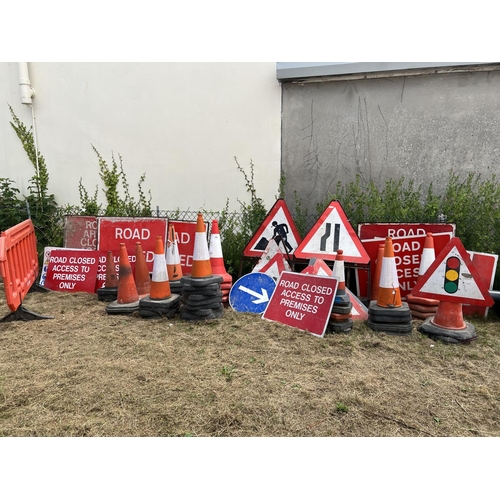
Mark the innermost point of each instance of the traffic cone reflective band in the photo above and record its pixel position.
(127, 291)
(428, 254)
(201, 267)
(174, 268)
(111, 277)
(389, 294)
(376, 274)
(160, 287)
(142, 278)
(339, 273)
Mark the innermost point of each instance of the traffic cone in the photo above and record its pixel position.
(174, 268)
(160, 302)
(389, 294)
(127, 300)
(201, 267)
(217, 262)
(160, 287)
(109, 291)
(422, 307)
(376, 274)
(142, 278)
(428, 254)
(339, 274)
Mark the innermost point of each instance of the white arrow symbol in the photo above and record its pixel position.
(261, 297)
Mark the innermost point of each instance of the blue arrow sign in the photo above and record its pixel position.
(251, 293)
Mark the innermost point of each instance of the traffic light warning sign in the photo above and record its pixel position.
(452, 277)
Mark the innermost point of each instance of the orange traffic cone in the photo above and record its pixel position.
(428, 254)
(127, 300)
(172, 256)
(142, 279)
(217, 261)
(111, 277)
(160, 287)
(201, 267)
(389, 294)
(339, 273)
(376, 275)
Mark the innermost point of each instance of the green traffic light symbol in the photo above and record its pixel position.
(452, 274)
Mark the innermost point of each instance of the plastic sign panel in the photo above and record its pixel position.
(185, 235)
(72, 270)
(115, 230)
(303, 301)
(332, 232)
(452, 277)
(251, 293)
(369, 231)
(80, 231)
(272, 262)
(278, 226)
(101, 268)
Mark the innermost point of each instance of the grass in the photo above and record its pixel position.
(87, 373)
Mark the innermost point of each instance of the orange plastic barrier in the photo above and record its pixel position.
(19, 268)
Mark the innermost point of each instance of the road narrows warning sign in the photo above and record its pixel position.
(332, 232)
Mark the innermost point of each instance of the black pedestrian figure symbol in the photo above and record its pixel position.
(280, 235)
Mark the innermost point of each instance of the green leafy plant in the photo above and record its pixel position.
(10, 205)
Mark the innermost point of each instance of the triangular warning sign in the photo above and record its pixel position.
(452, 277)
(332, 232)
(277, 225)
(318, 267)
(272, 262)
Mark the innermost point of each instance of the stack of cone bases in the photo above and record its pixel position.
(217, 262)
(201, 292)
(341, 316)
(422, 307)
(160, 302)
(388, 313)
(109, 292)
(448, 325)
(173, 259)
(142, 278)
(127, 299)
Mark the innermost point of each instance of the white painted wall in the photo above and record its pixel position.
(181, 124)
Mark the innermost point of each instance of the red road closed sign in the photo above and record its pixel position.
(72, 270)
(303, 301)
(115, 230)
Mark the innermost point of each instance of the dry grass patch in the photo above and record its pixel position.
(88, 373)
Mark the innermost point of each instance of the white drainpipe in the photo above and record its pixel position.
(27, 91)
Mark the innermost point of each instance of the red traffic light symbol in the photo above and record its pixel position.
(452, 275)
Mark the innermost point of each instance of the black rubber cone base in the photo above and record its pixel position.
(153, 308)
(391, 328)
(380, 314)
(115, 308)
(107, 294)
(342, 309)
(340, 326)
(188, 280)
(175, 286)
(448, 335)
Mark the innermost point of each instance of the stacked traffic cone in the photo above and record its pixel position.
(173, 259)
(422, 307)
(141, 275)
(341, 315)
(388, 313)
(202, 296)
(376, 274)
(160, 302)
(109, 292)
(127, 300)
(217, 262)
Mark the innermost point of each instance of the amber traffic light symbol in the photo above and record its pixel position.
(452, 274)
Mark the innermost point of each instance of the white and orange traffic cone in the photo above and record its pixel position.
(109, 291)
(160, 287)
(339, 274)
(142, 278)
(160, 302)
(423, 307)
(217, 261)
(172, 256)
(127, 300)
(376, 274)
(389, 294)
(201, 266)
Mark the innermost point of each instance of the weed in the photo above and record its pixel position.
(341, 407)
(227, 371)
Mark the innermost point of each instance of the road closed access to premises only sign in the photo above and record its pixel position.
(303, 301)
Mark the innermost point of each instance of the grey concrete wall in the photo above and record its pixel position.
(418, 127)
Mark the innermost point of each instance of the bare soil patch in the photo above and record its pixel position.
(89, 373)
